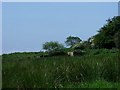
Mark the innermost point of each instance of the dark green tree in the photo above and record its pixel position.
(52, 46)
(117, 39)
(105, 36)
(70, 41)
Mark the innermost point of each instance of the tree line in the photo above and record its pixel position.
(107, 37)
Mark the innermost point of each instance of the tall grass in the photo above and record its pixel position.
(25, 71)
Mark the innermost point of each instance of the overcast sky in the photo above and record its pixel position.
(26, 26)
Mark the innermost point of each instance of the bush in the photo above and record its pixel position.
(79, 52)
(96, 53)
(57, 53)
(117, 39)
(78, 46)
(44, 55)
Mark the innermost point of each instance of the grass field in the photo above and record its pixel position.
(95, 69)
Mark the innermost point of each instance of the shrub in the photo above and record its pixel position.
(45, 55)
(79, 52)
(117, 39)
(78, 46)
(57, 53)
(96, 53)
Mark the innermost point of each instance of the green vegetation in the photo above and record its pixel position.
(95, 84)
(117, 39)
(107, 36)
(52, 46)
(97, 68)
(70, 41)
